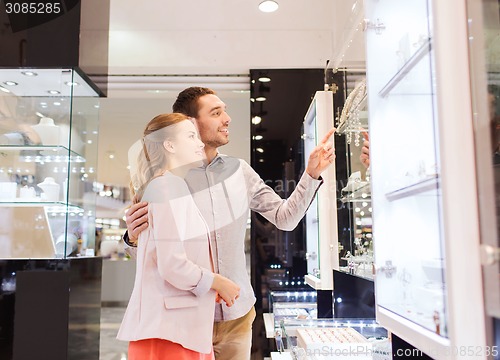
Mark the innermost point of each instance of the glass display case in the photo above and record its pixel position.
(356, 242)
(321, 218)
(48, 155)
(424, 201)
(335, 339)
(292, 305)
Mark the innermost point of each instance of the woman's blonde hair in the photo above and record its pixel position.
(152, 158)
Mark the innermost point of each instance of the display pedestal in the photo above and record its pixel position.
(50, 309)
(325, 304)
(354, 296)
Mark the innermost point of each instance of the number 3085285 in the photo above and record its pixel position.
(32, 8)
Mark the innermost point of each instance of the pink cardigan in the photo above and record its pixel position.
(172, 298)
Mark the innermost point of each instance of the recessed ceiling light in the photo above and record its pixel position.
(71, 83)
(260, 98)
(268, 6)
(258, 137)
(53, 92)
(256, 120)
(252, 99)
(264, 79)
(10, 83)
(29, 73)
(57, 103)
(261, 150)
(4, 89)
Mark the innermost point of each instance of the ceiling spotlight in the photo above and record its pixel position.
(268, 6)
(264, 79)
(71, 83)
(252, 100)
(53, 92)
(10, 83)
(29, 73)
(260, 98)
(4, 89)
(258, 137)
(256, 120)
(261, 150)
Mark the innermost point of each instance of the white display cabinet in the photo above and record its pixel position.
(428, 272)
(48, 155)
(321, 218)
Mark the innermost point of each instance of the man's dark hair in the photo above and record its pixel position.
(187, 100)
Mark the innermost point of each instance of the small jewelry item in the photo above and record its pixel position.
(437, 322)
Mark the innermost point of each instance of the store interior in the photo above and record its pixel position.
(372, 69)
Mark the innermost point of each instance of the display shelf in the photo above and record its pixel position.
(431, 183)
(43, 154)
(366, 327)
(296, 310)
(361, 194)
(52, 207)
(421, 52)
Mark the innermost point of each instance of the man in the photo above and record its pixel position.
(225, 189)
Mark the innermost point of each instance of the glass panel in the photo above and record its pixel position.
(48, 139)
(484, 47)
(405, 162)
(356, 249)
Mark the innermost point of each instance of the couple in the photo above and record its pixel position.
(192, 220)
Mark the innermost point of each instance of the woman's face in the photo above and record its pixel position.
(186, 148)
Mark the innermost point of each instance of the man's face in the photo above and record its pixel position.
(213, 121)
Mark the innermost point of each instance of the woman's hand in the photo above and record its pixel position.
(365, 151)
(137, 220)
(226, 290)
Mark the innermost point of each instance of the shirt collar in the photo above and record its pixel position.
(218, 158)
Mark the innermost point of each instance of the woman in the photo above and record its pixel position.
(171, 311)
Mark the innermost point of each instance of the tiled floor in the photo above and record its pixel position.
(112, 349)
